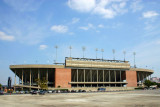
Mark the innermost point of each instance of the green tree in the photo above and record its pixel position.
(42, 83)
(0, 85)
(148, 83)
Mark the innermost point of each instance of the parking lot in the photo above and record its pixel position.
(141, 98)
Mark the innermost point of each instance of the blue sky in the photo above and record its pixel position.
(30, 29)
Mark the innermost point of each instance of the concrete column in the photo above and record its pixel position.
(84, 76)
(30, 77)
(97, 78)
(47, 76)
(22, 76)
(77, 77)
(120, 77)
(15, 78)
(103, 78)
(38, 75)
(109, 76)
(115, 77)
(91, 75)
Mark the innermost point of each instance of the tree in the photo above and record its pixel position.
(42, 83)
(148, 83)
(0, 85)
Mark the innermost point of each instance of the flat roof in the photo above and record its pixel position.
(36, 66)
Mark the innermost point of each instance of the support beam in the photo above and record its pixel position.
(120, 77)
(109, 77)
(97, 77)
(84, 76)
(103, 77)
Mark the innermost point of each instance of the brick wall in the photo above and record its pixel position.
(131, 78)
(62, 77)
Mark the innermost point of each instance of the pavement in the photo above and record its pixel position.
(140, 98)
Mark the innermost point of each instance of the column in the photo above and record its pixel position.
(47, 77)
(120, 77)
(97, 78)
(91, 76)
(15, 78)
(115, 77)
(84, 76)
(38, 76)
(103, 78)
(77, 77)
(30, 77)
(109, 78)
(22, 76)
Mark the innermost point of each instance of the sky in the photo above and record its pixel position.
(30, 30)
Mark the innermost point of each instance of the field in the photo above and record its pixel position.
(142, 98)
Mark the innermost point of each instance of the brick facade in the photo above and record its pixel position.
(62, 77)
(131, 78)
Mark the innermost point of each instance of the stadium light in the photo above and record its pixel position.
(83, 49)
(124, 52)
(70, 47)
(102, 50)
(134, 54)
(56, 53)
(113, 54)
(96, 52)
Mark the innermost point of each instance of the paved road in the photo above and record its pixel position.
(143, 98)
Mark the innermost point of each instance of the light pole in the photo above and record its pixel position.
(134, 54)
(96, 52)
(56, 53)
(70, 47)
(102, 50)
(113, 54)
(83, 49)
(124, 52)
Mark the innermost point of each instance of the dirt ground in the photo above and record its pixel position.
(143, 98)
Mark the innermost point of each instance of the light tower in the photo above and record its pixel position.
(102, 50)
(70, 47)
(134, 54)
(56, 52)
(124, 52)
(113, 51)
(96, 52)
(83, 49)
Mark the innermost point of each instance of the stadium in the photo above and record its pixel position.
(81, 73)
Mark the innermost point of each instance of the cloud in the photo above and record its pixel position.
(81, 5)
(101, 26)
(24, 5)
(150, 14)
(105, 8)
(6, 37)
(89, 26)
(42, 47)
(59, 28)
(75, 20)
(136, 5)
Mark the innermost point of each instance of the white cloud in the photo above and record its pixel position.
(59, 28)
(6, 37)
(89, 26)
(100, 26)
(150, 14)
(136, 5)
(42, 47)
(81, 5)
(75, 20)
(105, 8)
